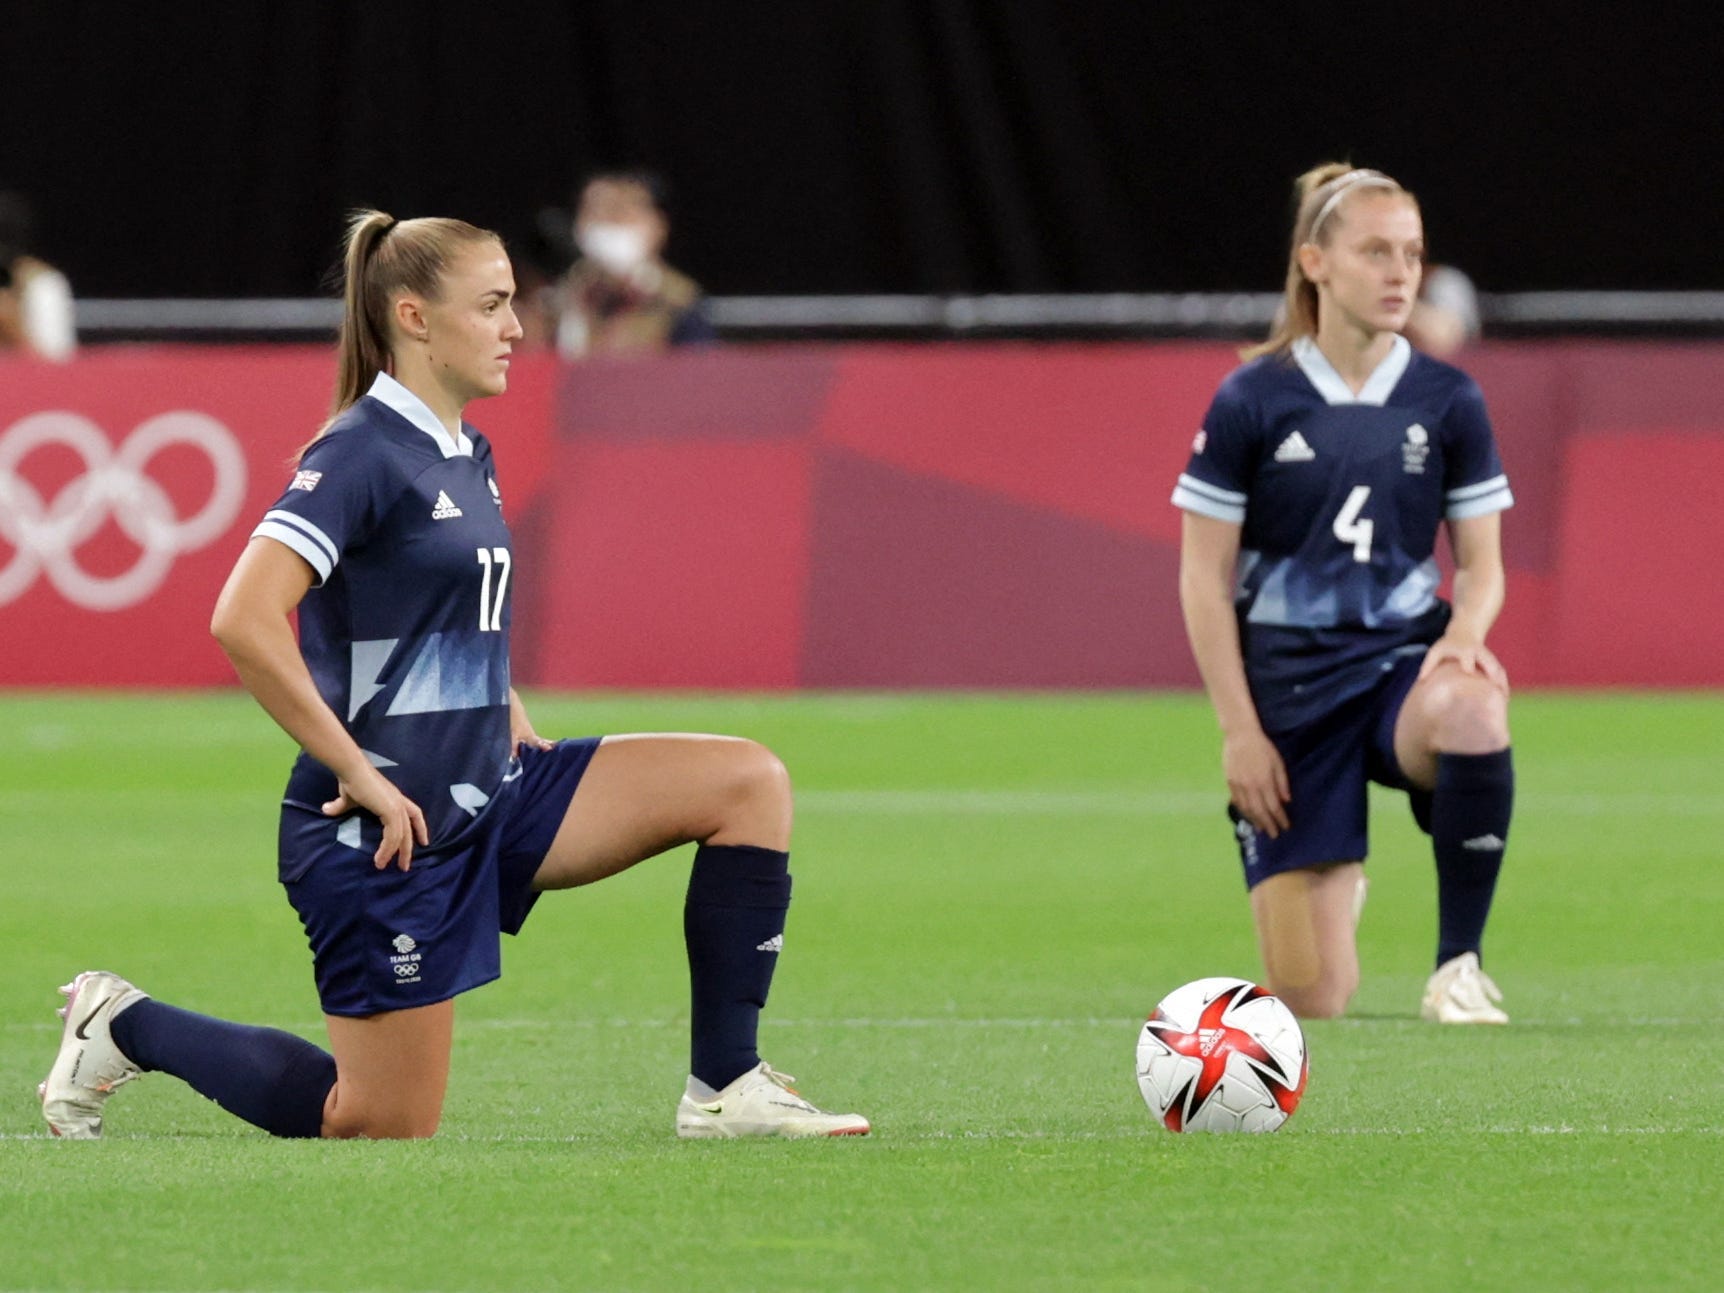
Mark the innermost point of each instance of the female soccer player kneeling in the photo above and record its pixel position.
(425, 815)
(1312, 500)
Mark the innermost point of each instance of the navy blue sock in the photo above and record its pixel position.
(733, 922)
(272, 1079)
(1470, 810)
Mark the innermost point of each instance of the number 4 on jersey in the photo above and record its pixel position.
(491, 604)
(1349, 528)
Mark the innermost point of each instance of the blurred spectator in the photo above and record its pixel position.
(35, 299)
(1446, 315)
(619, 297)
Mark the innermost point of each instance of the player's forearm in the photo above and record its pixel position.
(1213, 629)
(266, 657)
(1478, 600)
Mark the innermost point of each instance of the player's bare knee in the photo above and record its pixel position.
(346, 1117)
(1329, 1006)
(747, 800)
(380, 1125)
(766, 772)
(1472, 718)
(1324, 997)
(757, 785)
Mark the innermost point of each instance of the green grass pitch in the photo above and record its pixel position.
(991, 893)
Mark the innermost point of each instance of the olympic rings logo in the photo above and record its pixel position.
(116, 483)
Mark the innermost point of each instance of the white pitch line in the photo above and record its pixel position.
(1153, 1131)
(769, 1022)
(1046, 803)
(939, 1022)
(1408, 1024)
(1149, 1132)
(1193, 803)
(1171, 803)
(1535, 1130)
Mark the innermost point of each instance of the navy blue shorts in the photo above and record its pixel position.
(1329, 763)
(392, 939)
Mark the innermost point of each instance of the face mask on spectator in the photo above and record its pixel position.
(619, 248)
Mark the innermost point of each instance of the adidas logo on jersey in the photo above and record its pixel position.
(445, 508)
(1294, 449)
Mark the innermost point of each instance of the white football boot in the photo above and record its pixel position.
(89, 1067)
(1462, 993)
(762, 1102)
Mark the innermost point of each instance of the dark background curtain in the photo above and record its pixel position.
(872, 146)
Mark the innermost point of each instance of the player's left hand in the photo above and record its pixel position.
(1471, 657)
(521, 731)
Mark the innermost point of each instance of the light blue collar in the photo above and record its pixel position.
(391, 392)
(1334, 389)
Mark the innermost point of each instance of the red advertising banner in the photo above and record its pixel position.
(129, 482)
(867, 516)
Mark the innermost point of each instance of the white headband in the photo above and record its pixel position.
(1343, 183)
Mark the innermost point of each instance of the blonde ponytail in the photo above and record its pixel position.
(363, 348)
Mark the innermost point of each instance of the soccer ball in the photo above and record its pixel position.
(1221, 1055)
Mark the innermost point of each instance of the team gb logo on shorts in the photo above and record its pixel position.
(406, 962)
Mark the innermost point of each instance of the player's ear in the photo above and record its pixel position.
(410, 317)
(1311, 260)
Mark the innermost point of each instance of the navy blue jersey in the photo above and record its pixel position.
(1339, 497)
(406, 630)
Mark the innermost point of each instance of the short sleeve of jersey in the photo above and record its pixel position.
(330, 504)
(1217, 477)
(1474, 482)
